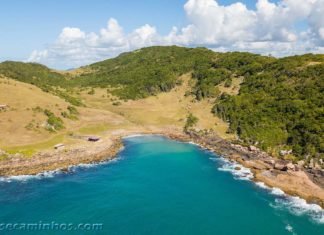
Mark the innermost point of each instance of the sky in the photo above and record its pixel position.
(67, 34)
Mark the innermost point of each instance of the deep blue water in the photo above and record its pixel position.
(157, 186)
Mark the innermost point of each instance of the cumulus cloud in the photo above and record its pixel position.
(270, 28)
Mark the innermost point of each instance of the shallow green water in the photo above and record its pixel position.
(157, 186)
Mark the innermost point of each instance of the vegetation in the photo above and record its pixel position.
(71, 113)
(191, 121)
(54, 123)
(279, 105)
(144, 72)
(40, 76)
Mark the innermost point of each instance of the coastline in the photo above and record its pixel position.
(293, 183)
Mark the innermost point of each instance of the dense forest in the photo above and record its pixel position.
(279, 105)
(146, 71)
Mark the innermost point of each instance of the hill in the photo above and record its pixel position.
(272, 103)
(34, 120)
(280, 106)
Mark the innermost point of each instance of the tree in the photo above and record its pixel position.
(190, 122)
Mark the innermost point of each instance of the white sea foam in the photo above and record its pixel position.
(294, 205)
(193, 143)
(277, 192)
(240, 172)
(23, 178)
(290, 229)
(262, 185)
(51, 174)
(299, 207)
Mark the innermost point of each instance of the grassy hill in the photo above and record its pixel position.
(30, 121)
(272, 103)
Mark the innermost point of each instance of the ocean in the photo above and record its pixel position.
(154, 186)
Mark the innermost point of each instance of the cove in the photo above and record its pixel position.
(156, 186)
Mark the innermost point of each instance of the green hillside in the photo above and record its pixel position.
(41, 76)
(280, 104)
(145, 72)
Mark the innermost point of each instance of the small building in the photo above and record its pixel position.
(93, 138)
(59, 146)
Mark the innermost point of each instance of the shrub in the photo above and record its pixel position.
(191, 121)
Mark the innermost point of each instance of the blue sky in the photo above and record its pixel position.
(30, 24)
(38, 25)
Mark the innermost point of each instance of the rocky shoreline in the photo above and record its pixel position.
(293, 179)
(62, 159)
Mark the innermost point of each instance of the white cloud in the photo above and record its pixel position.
(271, 28)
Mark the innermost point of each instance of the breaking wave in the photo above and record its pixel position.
(300, 207)
(295, 205)
(237, 170)
(51, 174)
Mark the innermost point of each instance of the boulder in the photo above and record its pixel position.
(270, 161)
(301, 163)
(280, 166)
(291, 166)
(311, 163)
(317, 166)
(253, 148)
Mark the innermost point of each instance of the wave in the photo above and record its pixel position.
(237, 170)
(295, 205)
(300, 207)
(262, 185)
(51, 174)
(277, 192)
(283, 201)
(23, 178)
(194, 143)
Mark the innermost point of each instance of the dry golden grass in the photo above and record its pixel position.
(22, 127)
(21, 99)
(164, 110)
(100, 116)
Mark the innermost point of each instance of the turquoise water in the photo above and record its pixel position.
(156, 186)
